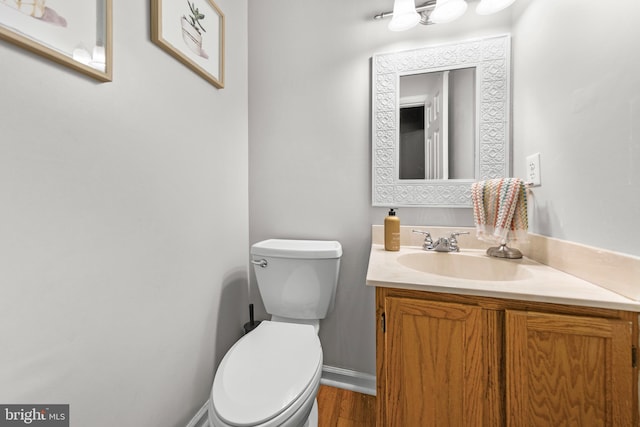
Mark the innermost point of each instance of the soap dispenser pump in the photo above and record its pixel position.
(392, 232)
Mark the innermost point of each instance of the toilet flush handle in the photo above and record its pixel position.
(259, 262)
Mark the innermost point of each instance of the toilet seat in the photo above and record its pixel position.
(267, 375)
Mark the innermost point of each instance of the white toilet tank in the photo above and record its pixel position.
(297, 278)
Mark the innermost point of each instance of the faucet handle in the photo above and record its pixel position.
(453, 240)
(458, 233)
(428, 241)
(426, 233)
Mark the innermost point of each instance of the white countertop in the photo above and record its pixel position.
(545, 283)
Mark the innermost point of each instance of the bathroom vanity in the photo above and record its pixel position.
(536, 346)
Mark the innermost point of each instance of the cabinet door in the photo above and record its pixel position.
(568, 371)
(433, 369)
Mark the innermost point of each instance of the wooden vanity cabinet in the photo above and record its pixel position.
(458, 360)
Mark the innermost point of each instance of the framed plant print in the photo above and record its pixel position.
(192, 31)
(74, 33)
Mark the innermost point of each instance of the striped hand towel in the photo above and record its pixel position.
(500, 209)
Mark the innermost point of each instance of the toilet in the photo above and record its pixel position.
(271, 376)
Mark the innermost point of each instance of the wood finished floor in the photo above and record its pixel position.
(344, 408)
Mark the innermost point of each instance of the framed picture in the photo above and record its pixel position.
(193, 32)
(74, 33)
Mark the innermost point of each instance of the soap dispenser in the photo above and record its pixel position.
(392, 232)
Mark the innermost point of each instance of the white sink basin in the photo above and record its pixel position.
(462, 266)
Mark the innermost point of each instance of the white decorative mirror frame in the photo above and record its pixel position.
(492, 59)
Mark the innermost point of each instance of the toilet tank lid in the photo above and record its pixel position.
(303, 249)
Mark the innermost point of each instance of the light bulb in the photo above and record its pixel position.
(404, 15)
(447, 11)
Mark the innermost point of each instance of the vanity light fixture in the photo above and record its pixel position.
(435, 12)
(404, 15)
(448, 10)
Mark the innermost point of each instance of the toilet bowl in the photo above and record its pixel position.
(269, 378)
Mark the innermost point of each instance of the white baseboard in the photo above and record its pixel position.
(331, 376)
(348, 380)
(201, 418)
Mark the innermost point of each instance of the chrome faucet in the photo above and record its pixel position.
(443, 244)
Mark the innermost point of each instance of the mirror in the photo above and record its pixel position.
(437, 125)
(440, 122)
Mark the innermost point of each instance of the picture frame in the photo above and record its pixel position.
(192, 31)
(74, 33)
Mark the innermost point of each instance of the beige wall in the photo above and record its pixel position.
(124, 228)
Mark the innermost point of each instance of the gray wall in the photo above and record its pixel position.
(124, 228)
(462, 135)
(575, 101)
(310, 149)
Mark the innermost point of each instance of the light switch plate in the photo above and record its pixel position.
(533, 169)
